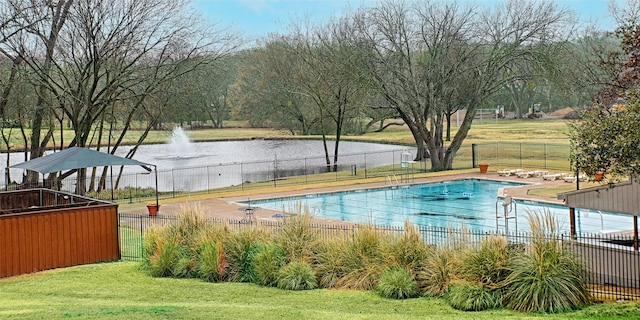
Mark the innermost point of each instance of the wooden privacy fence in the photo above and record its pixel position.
(43, 229)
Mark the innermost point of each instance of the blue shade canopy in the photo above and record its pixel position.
(76, 158)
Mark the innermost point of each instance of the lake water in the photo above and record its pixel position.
(187, 166)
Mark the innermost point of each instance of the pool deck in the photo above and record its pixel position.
(231, 208)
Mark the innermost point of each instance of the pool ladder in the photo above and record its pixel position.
(391, 179)
(509, 212)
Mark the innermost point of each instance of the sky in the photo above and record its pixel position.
(257, 18)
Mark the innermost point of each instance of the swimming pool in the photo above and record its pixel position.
(470, 203)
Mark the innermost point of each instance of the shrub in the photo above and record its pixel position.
(467, 296)
(546, 277)
(489, 263)
(150, 243)
(439, 270)
(267, 263)
(362, 260)
(397, 283)
(210, 262)
(166, 257)
(189, 224)
(296, 237)
(248, 270)
(235, 246)
(328, 264)
(184, 267)
(407, 251)
(297, 275)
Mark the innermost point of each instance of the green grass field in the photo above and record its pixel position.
(520, 130)
(120, 290)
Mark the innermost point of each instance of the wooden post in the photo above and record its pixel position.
(572, 222)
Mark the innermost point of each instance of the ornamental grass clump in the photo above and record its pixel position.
(397, 283)
(248, 270)
(267, 263)
(211, 261)
(150, 244)
(236, 247)
(168, 258)
(172, 250)
(546, 277)
(297, 275)
(467, 296)
(362, 260)
(297, 238)
(328, 262)
(440, 268)
(488, 264)
(188, 225)
(407, 250)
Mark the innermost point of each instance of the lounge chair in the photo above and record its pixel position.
(540, 173)
(508, 172)
(553, 176)
(525, 174)
(572, 179)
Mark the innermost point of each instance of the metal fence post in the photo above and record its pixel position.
(545, 156)
(365, 165)
(305, 172)
(521, 154)
(275, 170)
(173, 184)
(474, 159)
(141, 237)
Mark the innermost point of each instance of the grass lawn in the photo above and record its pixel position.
(486, 131)
(120, 290)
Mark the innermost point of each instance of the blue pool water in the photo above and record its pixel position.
(470, 203)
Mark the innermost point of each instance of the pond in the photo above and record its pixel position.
(194, 166)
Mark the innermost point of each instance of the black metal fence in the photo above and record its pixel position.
(522, 155)
(613, 265)
(136, 186)
(141, 185)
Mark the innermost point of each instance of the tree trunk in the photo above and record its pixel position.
(448, 116)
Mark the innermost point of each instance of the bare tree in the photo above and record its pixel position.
(265, 90)
(427, 56)
(99, 53)
(333, 77)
